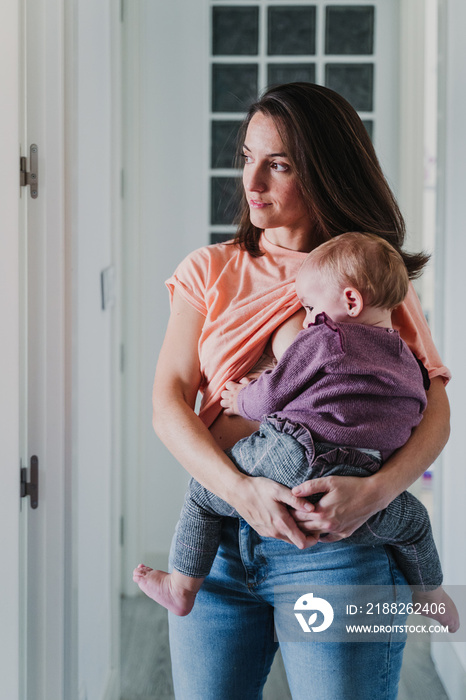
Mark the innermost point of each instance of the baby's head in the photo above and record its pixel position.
(354, 278)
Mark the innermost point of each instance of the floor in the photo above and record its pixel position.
(145, 661)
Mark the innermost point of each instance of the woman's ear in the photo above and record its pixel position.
(353, 301)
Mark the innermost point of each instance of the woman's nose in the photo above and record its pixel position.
(254, 179)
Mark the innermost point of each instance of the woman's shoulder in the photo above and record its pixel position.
(216, 253)
(409, 320)
(200, 271)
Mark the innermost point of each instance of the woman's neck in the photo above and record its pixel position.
(300, 240)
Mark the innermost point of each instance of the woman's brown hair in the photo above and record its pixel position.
(338, 171)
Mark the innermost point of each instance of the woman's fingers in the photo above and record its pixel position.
(287, 527)
(290, 532)
(346, 503)
(287, 496)
(308, 488)
(265, 506)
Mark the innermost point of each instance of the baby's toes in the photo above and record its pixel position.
(139, 572)
(143, 569)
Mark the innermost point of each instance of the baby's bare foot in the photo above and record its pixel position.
(175, 591)
(439, 606)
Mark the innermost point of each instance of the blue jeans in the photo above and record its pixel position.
(224, 648)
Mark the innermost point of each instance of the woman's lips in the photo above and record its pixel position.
(258, 205)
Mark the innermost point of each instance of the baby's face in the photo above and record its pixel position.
(316, 293)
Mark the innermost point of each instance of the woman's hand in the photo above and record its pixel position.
(264, 504)
(347, 503)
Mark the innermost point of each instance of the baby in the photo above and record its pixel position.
(345, 394)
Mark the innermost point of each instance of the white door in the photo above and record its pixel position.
(42, 657)
(43, 325)
(32, 351)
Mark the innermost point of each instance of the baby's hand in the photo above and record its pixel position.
(230, 394)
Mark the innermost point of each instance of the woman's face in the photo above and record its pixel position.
(275, 202)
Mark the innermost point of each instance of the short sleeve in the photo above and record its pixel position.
(410, 321)
(189, 279)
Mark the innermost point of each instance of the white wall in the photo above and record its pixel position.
(451, 660)
(170, 141)
(174, 218)
(95, 465)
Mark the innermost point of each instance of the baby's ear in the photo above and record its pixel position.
(354, 303)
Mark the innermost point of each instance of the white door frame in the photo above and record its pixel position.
(131, 418)
(77, 35)
(9, 352)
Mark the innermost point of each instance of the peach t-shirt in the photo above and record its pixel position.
(244, 299)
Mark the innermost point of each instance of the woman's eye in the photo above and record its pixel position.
(280, 167)
(246, 157)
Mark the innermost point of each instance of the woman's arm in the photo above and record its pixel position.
(261, 502)
(350, 501)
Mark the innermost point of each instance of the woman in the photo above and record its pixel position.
(310, 173)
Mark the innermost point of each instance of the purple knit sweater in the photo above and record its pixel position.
(350, 384)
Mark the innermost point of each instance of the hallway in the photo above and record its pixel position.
(145, 660)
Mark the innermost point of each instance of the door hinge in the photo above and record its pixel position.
(32, 177)
(31, 488)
